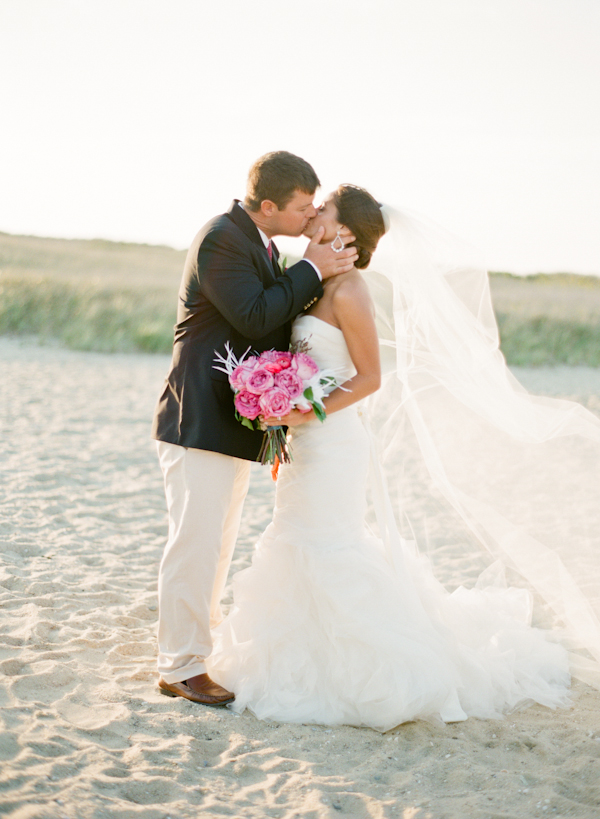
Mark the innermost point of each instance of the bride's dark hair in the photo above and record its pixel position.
(361, 213)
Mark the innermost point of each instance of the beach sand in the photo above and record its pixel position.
(85, 732)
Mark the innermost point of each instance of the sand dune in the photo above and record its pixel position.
(85, 732)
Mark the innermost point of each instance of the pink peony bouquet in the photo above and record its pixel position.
(272, 384)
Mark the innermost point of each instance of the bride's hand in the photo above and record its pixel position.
(293, 419)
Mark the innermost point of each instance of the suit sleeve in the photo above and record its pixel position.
(228, 279)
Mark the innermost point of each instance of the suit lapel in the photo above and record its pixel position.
(239, 216)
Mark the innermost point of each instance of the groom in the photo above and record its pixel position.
(232, 291)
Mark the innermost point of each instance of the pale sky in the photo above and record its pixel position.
(137, 120)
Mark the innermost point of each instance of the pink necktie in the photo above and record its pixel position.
(270, 250)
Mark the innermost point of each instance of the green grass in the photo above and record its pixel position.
(90, 294)
(88, 318)
(548, 319)
(542, 340)
(117, 297)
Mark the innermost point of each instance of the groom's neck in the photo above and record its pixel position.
(262, 222)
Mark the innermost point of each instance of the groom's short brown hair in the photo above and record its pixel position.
(277, 176)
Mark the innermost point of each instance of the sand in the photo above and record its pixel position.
(85, 732)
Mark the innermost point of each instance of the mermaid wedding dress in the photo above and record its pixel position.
(331, 625)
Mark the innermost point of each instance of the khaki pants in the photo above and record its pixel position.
(205, 494)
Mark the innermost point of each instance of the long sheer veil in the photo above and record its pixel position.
(476, 466)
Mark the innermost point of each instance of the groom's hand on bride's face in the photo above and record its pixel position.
(326, 259)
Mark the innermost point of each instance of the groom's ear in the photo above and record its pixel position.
(268, 208)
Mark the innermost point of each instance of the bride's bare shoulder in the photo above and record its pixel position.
(352, 293)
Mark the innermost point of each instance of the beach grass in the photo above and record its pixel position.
(88, 317)
(548, 319)
(544, 341)
(122, 297)
(90, 294)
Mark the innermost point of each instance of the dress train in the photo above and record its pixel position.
(332, 625)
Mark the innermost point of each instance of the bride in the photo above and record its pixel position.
(340, 618)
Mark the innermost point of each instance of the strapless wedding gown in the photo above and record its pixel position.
(327, 628)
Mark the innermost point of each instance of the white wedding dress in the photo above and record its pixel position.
(329, 626)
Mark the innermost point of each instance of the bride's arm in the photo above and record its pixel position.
(353, 312)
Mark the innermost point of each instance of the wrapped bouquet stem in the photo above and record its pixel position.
(275, 447)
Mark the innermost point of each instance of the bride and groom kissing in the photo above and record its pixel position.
(330, 624)
(233, 292)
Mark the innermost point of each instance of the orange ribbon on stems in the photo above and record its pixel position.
(275, 468)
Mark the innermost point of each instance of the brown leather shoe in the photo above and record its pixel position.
(197, 689)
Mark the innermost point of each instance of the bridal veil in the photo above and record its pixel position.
(473, 462)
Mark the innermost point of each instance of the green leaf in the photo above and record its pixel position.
(308, 394)
(319, 412)
(246, 422)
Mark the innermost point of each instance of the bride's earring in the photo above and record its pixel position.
(340, 247)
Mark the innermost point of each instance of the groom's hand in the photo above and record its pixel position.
(326, 259)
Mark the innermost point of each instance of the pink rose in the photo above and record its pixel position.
(240, 375)
(274, 361)
(268, 355)
(272, 367)
(246, 403)
(274, 403)
(260, 380)
(284, 360)
(304, 365)
(289, 381)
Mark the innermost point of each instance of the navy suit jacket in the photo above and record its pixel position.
(230, 292)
